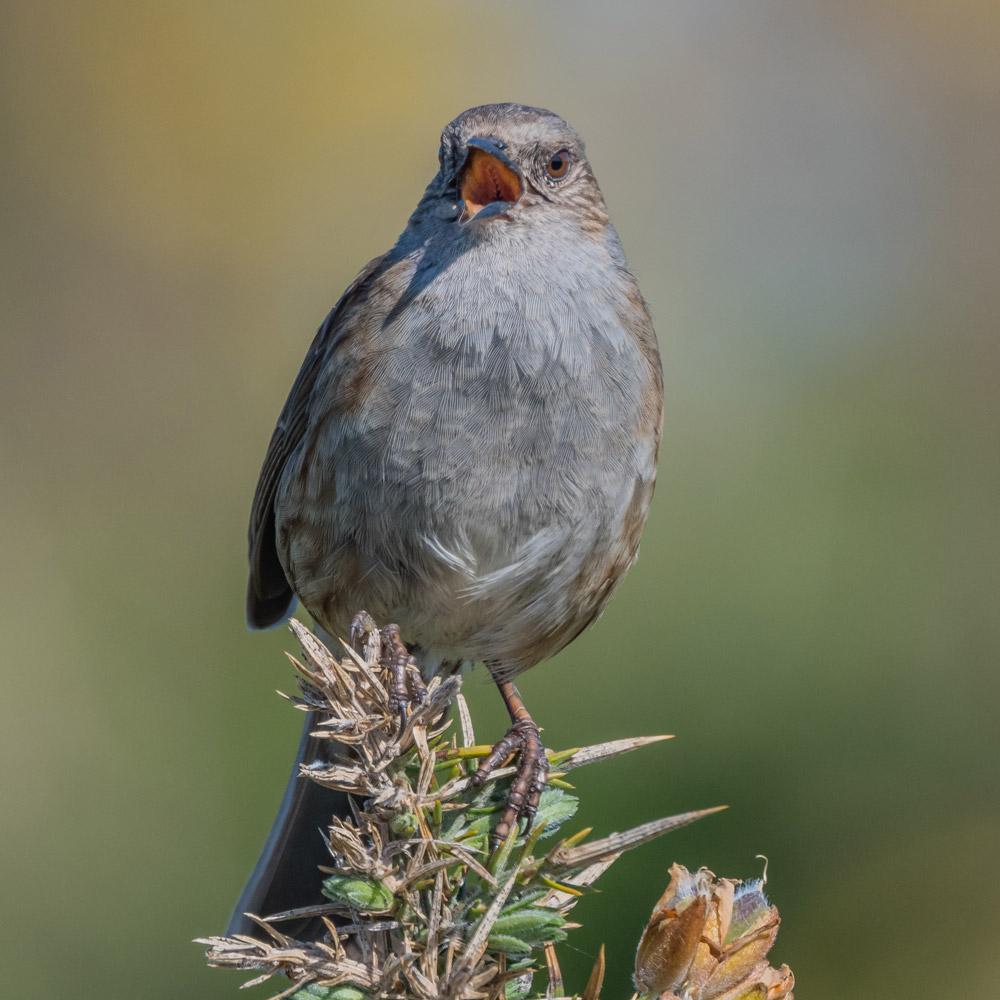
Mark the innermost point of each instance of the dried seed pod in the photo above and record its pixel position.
(709, 940)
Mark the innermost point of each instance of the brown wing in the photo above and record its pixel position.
(270, 599)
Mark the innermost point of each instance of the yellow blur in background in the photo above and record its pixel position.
(808, 192)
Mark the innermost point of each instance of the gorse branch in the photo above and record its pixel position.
(418, 906)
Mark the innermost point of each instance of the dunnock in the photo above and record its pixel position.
(469, 448)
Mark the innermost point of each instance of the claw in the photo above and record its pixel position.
(362, 624)
(533, 766)
(386, 648)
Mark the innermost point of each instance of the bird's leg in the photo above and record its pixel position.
(532, 770)
(389, 650)
(395, 659)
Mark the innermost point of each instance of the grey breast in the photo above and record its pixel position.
(494, 456)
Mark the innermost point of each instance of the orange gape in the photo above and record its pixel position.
(485, 180)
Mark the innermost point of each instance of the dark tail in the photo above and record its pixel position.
(286, 875)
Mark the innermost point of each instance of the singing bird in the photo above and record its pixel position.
(469, 449)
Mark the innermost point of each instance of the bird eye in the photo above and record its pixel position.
(558, 165)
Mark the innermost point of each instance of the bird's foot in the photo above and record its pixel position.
(363, 627)
(385, 648)
(532, 773)
(405, 683)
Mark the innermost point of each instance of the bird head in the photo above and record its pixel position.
(508, 163)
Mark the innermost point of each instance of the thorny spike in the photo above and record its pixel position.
(362, 625)
(617, 843)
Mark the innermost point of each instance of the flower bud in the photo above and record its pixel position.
(363, 894)
(405, 825)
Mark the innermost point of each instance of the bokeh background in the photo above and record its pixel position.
(808, 192)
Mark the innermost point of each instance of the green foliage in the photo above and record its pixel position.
(363, 894)
(423, 899)
(345, 991)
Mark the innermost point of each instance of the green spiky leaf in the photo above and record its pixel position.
(534, 924)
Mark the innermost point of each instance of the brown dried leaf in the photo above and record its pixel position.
(596, 980)
(555, 983)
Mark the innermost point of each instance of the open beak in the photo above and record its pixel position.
(488, 183)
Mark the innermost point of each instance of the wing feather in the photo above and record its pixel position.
(270, 599)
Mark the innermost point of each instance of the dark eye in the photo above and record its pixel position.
(558, 165)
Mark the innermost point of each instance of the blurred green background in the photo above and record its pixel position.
(808, 192)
